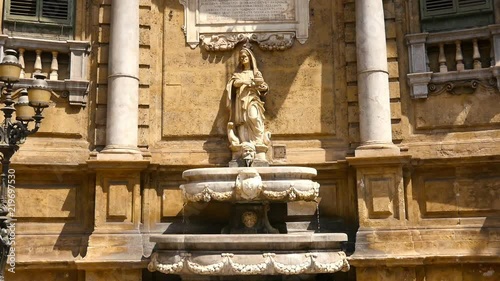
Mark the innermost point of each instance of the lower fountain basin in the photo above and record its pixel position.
(249, 254)
(281, 183)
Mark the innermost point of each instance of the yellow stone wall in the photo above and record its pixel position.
(312, 109)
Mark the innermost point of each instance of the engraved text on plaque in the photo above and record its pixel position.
(230, 11)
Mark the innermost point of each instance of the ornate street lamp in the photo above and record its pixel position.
(14, 133)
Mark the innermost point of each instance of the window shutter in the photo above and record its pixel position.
(438, 7)
(56, 9)
(441, 15)
(469, 5)
(22, 8)
(41, 11)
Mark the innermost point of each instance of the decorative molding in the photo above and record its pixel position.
(268, 266)
(419, 84)
(463, 87)
(210, 193)
(220, 26)
(76, 91)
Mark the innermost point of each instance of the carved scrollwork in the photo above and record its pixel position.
(268, 265)
(274, 41)
(267, 41)
(221, 42)
(463, 87)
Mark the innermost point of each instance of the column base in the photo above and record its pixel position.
(377, 149)
(115, 152)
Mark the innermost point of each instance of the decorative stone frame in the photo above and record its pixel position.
(420, 76)
(269, 34)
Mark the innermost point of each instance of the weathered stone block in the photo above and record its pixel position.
(46, 202)
(172, 203)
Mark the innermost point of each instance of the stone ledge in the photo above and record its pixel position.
(242, 242)
(408, 247)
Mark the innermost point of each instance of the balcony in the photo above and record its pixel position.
(64, 63)
(455, 62)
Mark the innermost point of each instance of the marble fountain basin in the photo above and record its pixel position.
(240, 184)
(249, 254)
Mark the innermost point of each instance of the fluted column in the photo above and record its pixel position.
(123, 79)
(373, 80)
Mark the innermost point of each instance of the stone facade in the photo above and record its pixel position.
(415, 183)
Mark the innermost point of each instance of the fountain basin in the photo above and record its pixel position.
(250, 184)
(244, 254)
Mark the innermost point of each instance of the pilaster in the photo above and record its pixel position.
(116, 236)
(383, 234)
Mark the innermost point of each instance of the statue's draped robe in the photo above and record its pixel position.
(246, 108)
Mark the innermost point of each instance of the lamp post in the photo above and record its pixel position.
(13, 133)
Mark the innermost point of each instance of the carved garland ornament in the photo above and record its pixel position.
(290, 194)
(268, 266)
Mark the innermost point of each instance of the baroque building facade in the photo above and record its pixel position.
(393, 102)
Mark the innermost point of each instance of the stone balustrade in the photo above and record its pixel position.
(63, 62)
(468, 57)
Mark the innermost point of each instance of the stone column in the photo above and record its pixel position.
(123, 79)
(373, 80)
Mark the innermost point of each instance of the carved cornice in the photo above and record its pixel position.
(76, 91)
(269, 265)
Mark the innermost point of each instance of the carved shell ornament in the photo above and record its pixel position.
(248, 184)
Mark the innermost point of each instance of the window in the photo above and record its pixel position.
(22, 17)
(443, 15)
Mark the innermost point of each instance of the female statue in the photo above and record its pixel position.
(244, 92)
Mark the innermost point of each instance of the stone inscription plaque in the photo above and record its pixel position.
(219, 25)
(230, 11)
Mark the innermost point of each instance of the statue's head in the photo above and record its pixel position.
(247, 59)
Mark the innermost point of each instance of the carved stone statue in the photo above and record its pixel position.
(246, 119)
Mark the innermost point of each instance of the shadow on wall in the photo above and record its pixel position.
(465, 195)
(473, 110)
